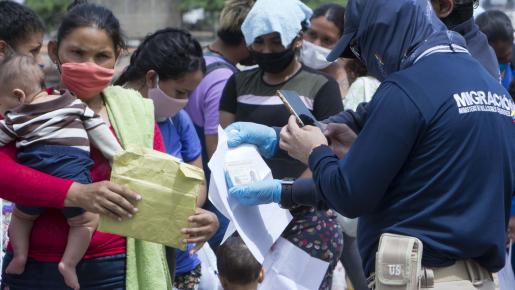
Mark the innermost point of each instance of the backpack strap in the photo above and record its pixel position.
(222, 62)
(218, 65)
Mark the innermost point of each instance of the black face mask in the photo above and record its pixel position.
(273, 62)
(460, 14)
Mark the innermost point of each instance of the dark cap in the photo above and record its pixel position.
(353, 13)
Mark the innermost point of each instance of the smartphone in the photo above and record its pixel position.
(297, 108)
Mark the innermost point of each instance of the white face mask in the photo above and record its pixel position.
(314, 56)
(164, 105)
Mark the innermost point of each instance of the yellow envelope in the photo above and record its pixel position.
(169, 190)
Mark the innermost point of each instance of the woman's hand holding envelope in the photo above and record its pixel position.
(203, 225)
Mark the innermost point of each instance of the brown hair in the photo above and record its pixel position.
(231, 18)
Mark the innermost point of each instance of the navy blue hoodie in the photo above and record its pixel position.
(477, 44)
(436, 156)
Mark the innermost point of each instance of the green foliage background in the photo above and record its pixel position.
(216, 5)
(52, 10)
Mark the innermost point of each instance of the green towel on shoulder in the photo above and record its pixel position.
(132, 118)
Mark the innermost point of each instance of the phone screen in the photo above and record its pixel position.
(290, 108)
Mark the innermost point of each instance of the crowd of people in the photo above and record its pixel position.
(407, 180)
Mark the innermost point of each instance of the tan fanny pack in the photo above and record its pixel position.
(398, 263)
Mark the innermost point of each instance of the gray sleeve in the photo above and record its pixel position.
(102, 138)
(7, 135)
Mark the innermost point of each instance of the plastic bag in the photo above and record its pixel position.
(506, 275)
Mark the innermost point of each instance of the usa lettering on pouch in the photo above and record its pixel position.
(479, 101)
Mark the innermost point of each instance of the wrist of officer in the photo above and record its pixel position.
(286, 200)
(317, 153)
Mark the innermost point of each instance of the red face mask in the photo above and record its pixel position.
(85, 79)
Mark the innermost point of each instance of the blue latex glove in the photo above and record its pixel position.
(261, 192)
(262, 136)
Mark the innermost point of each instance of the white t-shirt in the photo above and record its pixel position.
(361, 90)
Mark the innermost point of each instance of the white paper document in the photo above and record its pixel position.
(287, 267)
(259, 226)
(216, 200)
(209, 280)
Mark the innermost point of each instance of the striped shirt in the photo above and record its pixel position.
(251, 99)
(62, 121)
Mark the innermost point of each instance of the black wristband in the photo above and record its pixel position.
(287, 193)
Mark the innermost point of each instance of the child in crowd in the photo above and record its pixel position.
(52, 133)
(237, 268)
(497, 27)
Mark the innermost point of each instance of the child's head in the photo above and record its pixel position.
(237, 268)
(499, 31)
(21, 80)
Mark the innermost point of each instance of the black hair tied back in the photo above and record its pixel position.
(83, 14)
(18, 22)
(171, 52)
(333, 12)
(76, 3)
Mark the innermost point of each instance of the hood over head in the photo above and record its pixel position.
(388, 36)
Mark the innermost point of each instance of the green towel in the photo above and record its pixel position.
(132, 118)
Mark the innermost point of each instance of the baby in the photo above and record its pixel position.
(52, 134)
